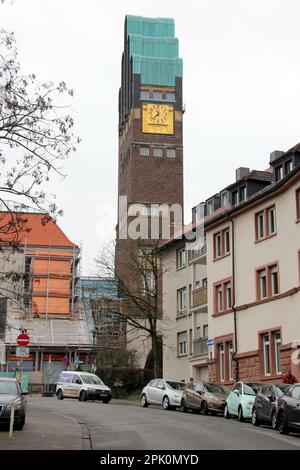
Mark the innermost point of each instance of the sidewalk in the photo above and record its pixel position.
(46, 431)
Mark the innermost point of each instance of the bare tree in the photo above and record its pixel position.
(138, 273)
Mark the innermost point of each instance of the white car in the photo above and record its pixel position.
(167, 393)
(83, 386)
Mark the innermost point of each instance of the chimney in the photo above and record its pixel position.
(275, 154)
(241, 173)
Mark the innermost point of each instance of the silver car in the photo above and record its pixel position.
(162, 392)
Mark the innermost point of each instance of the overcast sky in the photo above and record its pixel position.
(241, 87)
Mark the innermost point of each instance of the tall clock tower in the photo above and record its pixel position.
(150, 113)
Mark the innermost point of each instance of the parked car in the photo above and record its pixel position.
(204, 397)
(83, 386)
(241, 399)
(167, 393)
(11, 393)
(288, 410)
(266, 403)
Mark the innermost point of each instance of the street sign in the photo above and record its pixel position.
(23, 340)
(210, 342)
(22, 352)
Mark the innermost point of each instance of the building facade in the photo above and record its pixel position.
(39, 294)
(185, 325)
(253, 268)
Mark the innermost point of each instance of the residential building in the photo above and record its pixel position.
(253, 270)
(185, 325)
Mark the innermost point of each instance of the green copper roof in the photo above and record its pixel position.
(154, 50)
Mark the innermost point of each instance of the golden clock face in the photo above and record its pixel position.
(157, 118)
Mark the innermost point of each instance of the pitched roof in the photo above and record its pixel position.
(32, 229)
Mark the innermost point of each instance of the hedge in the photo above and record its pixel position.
(124, 380)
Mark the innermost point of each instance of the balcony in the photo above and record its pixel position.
(200, 297)
(200, 347)
(199, 255)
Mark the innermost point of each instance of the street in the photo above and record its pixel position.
(121, 425)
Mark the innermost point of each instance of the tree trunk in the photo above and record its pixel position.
(155, 349)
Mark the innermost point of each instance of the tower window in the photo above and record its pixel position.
(157, 152)
(145, 95)
(171, 153)
(144, 151)
(157, 95)
(170, 96)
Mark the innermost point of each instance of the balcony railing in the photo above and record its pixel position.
(197, 254)
(200, 347)
(200, 296)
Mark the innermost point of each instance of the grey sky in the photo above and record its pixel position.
(241, 89)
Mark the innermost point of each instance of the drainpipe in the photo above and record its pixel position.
(233, 304)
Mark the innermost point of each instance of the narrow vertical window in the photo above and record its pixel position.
(227, 241)
(222, 362)
(260, 225)
(228, 295)
(262, 284)
(272, 220)
(266, 354)
(277, 344)
(220, 298)
(230, 354)
(274, 280)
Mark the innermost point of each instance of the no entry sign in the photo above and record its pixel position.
(23, 340)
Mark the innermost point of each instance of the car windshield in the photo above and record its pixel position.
(213, 388)
(175, 385)
(249, 390)
(281, 388)
(8, 388)
(91, 379)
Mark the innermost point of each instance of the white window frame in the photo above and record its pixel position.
(220, 298)
(182, 343)
(266, 354)
(144, 151)
(181, 258)
(170, 96)
(230, 354)
(181, 300)
(272, 216)
(171, 153)
(144, 95)
(228, 295)
(260, 225)
(274, 271)
(226, 241)
(277, 344)
(157, 96)
(157, 152)
(222, 362)
(262, 274)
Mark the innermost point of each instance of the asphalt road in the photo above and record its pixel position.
(120, 425)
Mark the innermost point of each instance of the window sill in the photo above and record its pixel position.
(181, 355)
(258, 240)
(219, 314)
(181, 268)
(270, 377)
(217, 258)
(182, 315)
(297, 221)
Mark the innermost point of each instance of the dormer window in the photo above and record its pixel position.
(288, 166)
(279, 173)
(209, 207)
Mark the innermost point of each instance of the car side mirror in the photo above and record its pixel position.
(236, 392)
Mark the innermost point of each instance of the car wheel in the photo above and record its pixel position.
(274, 421)
(204, 408)
(282, 424)
(19, 425)
(166, 403)
(183, 407)
(240, 412)
(144, 402)
(82, 396)
(59, 394)
(255, 421)
(226, 412)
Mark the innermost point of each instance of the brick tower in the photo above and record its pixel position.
(150, 169)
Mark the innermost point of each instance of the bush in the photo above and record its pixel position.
(124, 380)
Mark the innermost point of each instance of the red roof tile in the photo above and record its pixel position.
(31, 229)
